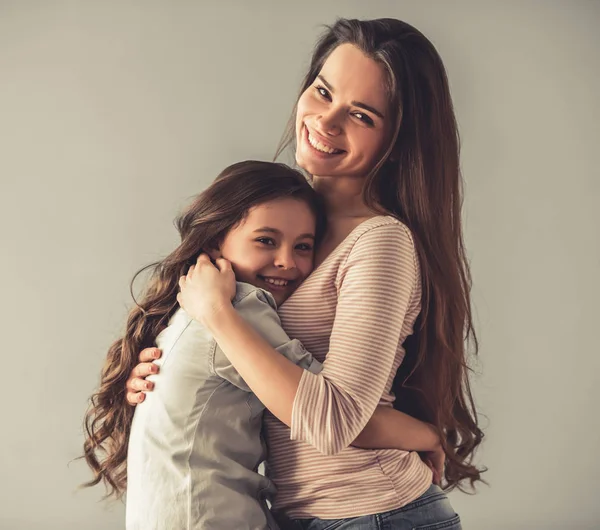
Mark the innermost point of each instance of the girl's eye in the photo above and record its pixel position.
(323, 92)
(364, 118)
(305, 247)
(266, 241)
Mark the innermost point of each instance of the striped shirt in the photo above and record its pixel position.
(353, 314)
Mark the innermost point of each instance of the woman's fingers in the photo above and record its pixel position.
(143, 370)
(133, 398)
(138, 384)
(149, 354)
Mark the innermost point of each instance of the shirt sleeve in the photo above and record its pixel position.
(375, 288)
(256, 309)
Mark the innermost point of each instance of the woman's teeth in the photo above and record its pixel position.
(280, 283)
(320, 147)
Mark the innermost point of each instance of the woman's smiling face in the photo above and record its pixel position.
(342, 123)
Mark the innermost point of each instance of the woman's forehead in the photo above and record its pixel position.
(351, 74)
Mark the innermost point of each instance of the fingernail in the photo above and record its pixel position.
(148, 386)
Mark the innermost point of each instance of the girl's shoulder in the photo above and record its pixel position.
(250, 293)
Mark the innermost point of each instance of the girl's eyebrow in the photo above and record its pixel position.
(278, 232)
(355, 103)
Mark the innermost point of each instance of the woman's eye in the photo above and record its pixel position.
(364, 118)
(323, 92)
(266, 241)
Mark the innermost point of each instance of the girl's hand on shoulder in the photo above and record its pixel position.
(207, 289)
(136, 385)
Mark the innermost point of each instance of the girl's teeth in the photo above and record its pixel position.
(320, 147)
(280, 283)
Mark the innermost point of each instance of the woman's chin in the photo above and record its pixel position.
(314, 168)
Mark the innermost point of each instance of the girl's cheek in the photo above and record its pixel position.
(307, 266)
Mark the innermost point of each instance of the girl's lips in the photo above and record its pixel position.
(275, 287)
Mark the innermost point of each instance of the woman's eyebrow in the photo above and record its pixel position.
(355, 103)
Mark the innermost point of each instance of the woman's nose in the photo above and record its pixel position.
(329, 123)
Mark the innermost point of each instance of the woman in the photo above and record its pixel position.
(375, 128)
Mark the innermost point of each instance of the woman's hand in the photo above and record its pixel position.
(137, 385)
(207, 289)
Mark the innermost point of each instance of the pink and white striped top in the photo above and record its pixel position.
(353, 314)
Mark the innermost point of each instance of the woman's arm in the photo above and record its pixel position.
(388, 428)
(274, 380)
(328, 410)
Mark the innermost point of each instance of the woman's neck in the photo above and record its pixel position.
(343, 197)
(345, 209)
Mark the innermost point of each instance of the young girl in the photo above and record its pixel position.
(194, 446)
(388, 303)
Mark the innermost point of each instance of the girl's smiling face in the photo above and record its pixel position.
(341, 124)
(273, 247)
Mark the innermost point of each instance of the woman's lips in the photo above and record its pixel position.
(316, 144)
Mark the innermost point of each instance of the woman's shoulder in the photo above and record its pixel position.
(382, 244)
(381, 229)
(382, 252)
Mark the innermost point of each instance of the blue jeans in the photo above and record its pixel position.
(431, 511)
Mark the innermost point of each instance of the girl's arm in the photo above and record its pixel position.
(275, 380)
(331, 409)
(387, 428)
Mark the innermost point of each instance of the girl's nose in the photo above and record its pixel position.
(285, 260)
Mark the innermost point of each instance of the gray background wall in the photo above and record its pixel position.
(112, 114)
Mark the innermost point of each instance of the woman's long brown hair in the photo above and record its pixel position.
(418, 181)
(208, 219)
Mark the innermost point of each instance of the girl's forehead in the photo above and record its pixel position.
(282, 214)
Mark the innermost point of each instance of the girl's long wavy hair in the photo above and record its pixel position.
(204, 224)
(418, 181)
